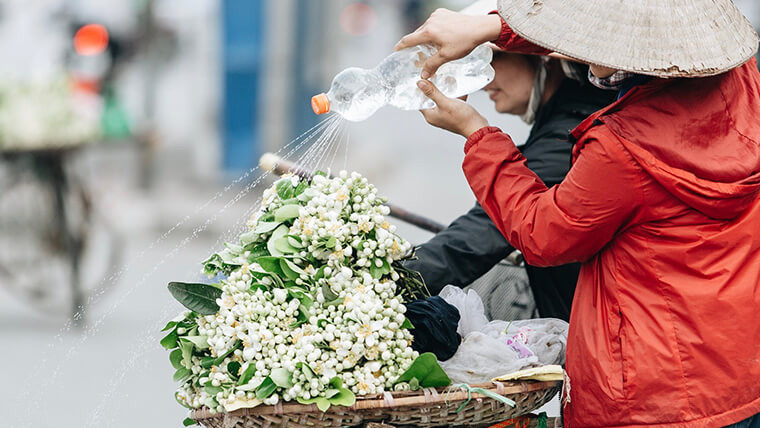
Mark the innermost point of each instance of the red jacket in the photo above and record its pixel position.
(661, 206)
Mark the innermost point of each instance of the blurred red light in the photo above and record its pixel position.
(91, 39)
(358, 19)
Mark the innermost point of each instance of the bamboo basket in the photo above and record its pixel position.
(423, 408)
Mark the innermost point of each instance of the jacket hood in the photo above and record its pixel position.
(698, 138)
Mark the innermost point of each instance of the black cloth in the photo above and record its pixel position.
(435, 327)
(472, 244)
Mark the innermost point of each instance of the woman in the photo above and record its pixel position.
(661, 204)
(543, 95)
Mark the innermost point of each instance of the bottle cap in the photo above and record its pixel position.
(320, 103)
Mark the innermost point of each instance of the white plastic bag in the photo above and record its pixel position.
(472, 314)
(491, 349)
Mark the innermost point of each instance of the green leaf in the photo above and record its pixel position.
(248, 237)
(218, 360)
(427, 371)
(257, 250)
(229, 258)
(330, 243)
(270, 264)
(207, 362)
(278, 233)
(212, 390)
(302, 317)
(330, 393)
(336, 382)
(306, 369)
(187, 353)
(286, 212)
(344, 397)
(200, 298)
(266, 388)
(295, 241)
(200, 342)
(284, 188)
(322, 403)
(189, 421)
(234, 248)
(386, 268)
(233, 368)
(277, 281)
(302, 185)
(257, 286)
(302, 296)
(334, 302)
(170, 340)
(289, 273)
(210, 402)
(290, 201)
(327, 292)
(247, 387)
(176, 358)
(169, 325)
(282, 377)
(290, 269)
(282, 245)
(265, 226)
(376, 272)
(213, 265)
(306, 196)
(181, 374)
(247, 374)
(407, 324)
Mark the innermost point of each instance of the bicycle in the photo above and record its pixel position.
(56, 249)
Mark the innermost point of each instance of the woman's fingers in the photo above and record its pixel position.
(430, 91)
(433, 63)
(419, 37)
(454, 34)
(450, 114)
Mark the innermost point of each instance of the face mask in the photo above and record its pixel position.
(614, 82)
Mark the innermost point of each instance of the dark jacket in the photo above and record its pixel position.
(472, 245)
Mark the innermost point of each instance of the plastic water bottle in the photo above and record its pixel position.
(357, 93)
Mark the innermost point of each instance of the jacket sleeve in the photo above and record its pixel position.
(462, 252)
(571, 221)
(512, 42)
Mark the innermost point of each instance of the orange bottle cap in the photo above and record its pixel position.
(320, 103)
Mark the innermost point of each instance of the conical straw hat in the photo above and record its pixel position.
(664, 38)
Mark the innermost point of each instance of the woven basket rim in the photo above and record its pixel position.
(422, 397)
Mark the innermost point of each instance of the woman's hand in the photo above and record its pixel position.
(450, 114)
(454, 35)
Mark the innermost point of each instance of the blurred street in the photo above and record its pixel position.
(112, 371)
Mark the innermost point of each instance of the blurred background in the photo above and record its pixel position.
(129, 134)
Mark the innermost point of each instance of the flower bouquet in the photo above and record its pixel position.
(308, 307)
(47, 114)
(306, 323)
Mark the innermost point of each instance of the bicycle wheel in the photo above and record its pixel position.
(55, 249)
